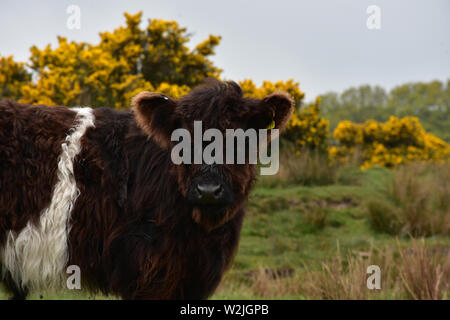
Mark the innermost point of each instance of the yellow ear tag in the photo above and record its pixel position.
(271, 125)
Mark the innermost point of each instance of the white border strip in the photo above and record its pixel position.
(38, 255)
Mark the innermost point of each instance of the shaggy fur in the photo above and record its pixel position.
(36, 257)
(133, 231)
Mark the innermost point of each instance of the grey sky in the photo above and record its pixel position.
(324, 44)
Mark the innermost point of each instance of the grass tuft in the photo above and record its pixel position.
(416, 202)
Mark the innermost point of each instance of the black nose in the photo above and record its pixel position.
(209, 193)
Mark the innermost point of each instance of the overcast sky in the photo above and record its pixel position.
(323, 44)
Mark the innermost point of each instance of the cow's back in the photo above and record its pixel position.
(37, 189)
(30, 144)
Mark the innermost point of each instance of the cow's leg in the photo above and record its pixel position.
(18, 292)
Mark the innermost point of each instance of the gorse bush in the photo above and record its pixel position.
(126, 61)
(13, 76)
(156, 57)
(429, 101)
(250, 89)
(416, 202)
(307, 129)
(389, 144)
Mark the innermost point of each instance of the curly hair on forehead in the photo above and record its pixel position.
(214, 87)
(218, 104)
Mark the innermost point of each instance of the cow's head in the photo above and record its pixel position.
(214, 191)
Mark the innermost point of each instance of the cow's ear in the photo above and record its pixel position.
(155, 114)
(273, 112)
(283, 106)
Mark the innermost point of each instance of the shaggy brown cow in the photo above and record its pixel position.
(97, 189)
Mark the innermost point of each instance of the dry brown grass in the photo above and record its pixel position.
(418, 202)
(425, 272)
(416, 272)
(267, 283)
(262, 283)
(339, 279)
(308, 168)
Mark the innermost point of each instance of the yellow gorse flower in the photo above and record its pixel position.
(391, 143)
(126, 61)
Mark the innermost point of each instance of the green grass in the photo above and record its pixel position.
(290, 231)
(277, 236)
